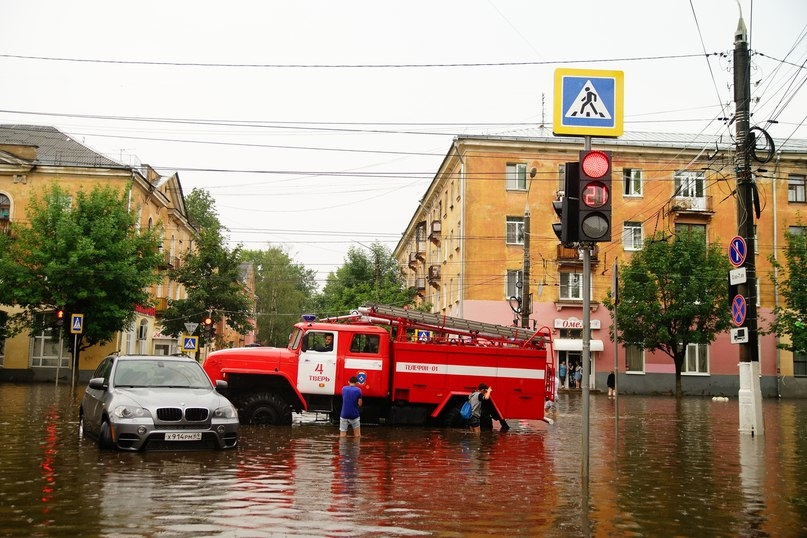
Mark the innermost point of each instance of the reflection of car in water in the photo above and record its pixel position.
(420, 371)
(135, 402)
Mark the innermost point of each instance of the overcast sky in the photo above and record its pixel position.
(319, 125)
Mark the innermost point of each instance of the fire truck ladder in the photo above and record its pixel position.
(439, 322)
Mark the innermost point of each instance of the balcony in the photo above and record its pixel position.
(420, 286)
(413, 261)
(436, 229)
(691, 206)
(573, 255)
(434, 276)
(160, 304)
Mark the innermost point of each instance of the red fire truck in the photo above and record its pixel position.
(413, 368)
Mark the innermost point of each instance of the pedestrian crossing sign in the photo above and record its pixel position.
(588, 102)
(76, 323)
(190, 343)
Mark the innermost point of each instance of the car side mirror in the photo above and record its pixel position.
(97, 383)
(221, 385)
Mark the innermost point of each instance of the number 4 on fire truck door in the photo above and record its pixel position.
(316, 372)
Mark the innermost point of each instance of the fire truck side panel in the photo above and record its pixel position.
(428, 373)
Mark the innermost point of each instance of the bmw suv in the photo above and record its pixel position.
(135, 402)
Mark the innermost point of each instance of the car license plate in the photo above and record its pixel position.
(183, 436)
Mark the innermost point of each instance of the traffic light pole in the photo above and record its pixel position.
(586, 351)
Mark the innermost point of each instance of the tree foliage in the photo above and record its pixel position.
(211, 275)
(673, 293)
(81, 252)
(284, 290)
(372, 276)
(791, 318)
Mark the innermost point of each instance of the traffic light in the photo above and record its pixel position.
(207, 322)
(59, 317)
(594, 206)
(566, 207)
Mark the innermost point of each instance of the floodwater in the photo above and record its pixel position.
(670, 470)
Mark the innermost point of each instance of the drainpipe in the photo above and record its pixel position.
(461, 234)
(776, 272)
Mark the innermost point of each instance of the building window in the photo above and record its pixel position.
(800, 364)
(696, 360)
(142, 337)
(796, 189)
(691, 186)
(632, 236)
(514, 277)
(632, 180)
(634, 358)
(45, 345)
(515, 231)
(562, 176)
(571, 286)
(5, 213)
(681, 227)
(517, 177)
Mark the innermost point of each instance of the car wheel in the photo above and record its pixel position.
(105, 436)
(265, 408)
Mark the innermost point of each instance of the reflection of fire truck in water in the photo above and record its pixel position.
(420, 371)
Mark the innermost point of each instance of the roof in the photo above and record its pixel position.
(53, 147)
(638, 139)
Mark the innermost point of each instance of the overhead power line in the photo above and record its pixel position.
(349, 66)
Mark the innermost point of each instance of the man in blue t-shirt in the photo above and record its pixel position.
(351, 402)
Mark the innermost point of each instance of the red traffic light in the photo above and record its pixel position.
(595, 164)
(208, 322)
(60, 314)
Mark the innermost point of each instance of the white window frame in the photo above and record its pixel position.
(690, 184)
(796, 188)
(632, 237)
(513, 277)
(514, 231)
(516, 177)
(44, 352)
(632, 179)
(696, 360)
(571, 286)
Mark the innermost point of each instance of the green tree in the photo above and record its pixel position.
(791, 319)
(211, 275)
(284, 290)
(81, 252)
(673, 293)
(372, 276)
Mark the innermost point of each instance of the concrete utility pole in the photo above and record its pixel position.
(525, 282)
(750, 395)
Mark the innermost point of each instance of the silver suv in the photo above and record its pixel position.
(135, 402)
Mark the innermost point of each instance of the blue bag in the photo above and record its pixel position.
(465, 410)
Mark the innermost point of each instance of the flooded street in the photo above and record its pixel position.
(672, 470)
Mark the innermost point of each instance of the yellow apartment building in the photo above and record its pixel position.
(463, 249)
(32, 158)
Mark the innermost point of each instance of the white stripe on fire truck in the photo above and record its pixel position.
(363, 364)
(456, 369)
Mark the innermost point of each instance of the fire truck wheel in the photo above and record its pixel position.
(451, 417)
(265, 408)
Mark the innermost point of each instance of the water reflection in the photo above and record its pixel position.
(673, 469)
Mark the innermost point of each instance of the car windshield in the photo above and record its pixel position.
(160, 373)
